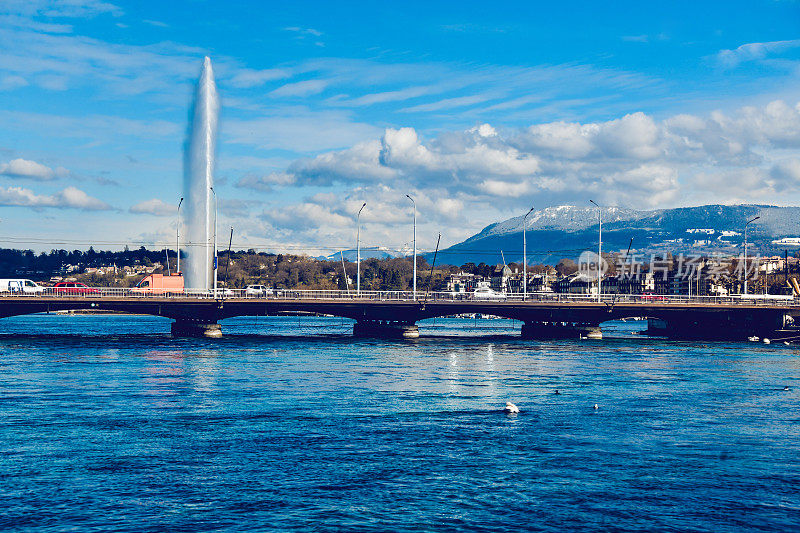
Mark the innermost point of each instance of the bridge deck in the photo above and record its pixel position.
(735, 316)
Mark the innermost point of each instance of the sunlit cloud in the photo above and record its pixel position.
(71, 197)
(26, 169)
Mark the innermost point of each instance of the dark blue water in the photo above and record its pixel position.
(287, 424)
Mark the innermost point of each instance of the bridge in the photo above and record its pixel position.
(395, 313)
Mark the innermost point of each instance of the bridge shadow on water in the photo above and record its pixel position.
(429, 342)
(136, 331)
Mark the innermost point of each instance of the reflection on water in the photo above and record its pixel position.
(110, 423)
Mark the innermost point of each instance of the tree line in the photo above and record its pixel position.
(237, 269)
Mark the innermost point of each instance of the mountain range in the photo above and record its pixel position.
(371, 252)
(566, 231)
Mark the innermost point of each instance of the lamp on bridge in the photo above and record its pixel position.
(415, 245)
(525, 255)
(599, 250)
(215, 240)
(745, 252)
(178, 239)
(358, 249)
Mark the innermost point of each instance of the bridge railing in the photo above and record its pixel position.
(404, 296)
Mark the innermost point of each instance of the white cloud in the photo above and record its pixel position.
(484, 130)
(465, 179)
(304, 31)
(746, 182)
(8, 83)
(236, 208)
(685, 124)
(361, 160)
(246, 78)
(462, 88)
(316, 122)
(101, 127)
(59, 60)
(70, 197)
(473, 155)
(571, 141)
(79, 8)
(266, 182)
(450, 103)
(786, 174)
(754, 52)
(24, 168)
(154, 206)
(505, 188)
(306, 34)
(299, 130)
(655, 184)
(158, 73)
(402, 148)
(633, 136)
(300, 88)
(307, 216)
(329, 219)
(389, 96)
(60, 8)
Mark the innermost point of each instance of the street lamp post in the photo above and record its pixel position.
(599, 250)
(358, 249)
(215, 240)
(178, 238)
(415, 245)
(525, 255)
(744, 271)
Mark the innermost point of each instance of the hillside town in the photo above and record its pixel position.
(695, 276)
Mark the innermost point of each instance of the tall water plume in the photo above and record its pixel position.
(198, 179)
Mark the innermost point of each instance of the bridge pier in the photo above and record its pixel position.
(656, 328)
(719, 326)
(194, 328)
(560, 330)
(385, 329)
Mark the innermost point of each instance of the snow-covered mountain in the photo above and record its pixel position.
(565, 231)
(366, 253)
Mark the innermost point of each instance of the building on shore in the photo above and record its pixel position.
(463, 282)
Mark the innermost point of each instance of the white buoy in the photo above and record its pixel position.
(766, 341)
(511, 408)
(596, 406)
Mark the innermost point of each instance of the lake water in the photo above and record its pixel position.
(290, 424)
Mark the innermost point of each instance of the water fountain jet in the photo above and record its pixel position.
(198, 178)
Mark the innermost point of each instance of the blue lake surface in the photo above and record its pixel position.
(108, 423)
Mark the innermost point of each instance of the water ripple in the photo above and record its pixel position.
(267, 431)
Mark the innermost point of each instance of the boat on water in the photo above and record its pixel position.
(484, 292)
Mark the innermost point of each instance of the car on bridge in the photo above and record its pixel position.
(72, 287)
(20, 285)
(258, 290)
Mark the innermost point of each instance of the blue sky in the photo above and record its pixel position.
(478, 110)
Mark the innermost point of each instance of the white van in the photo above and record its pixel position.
(20, 285)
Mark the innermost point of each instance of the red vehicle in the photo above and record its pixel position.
(654, 297)
(73, 287)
